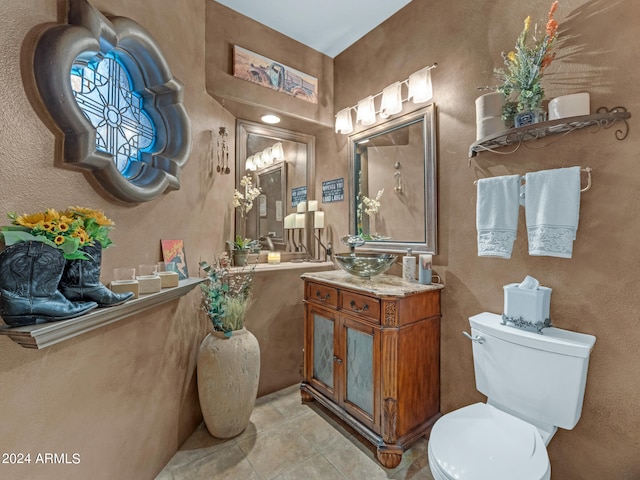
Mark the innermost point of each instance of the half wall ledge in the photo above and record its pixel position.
(47, 334)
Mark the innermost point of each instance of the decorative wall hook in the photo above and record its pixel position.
(223, 151)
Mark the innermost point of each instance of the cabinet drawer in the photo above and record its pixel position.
(322, 294)
(361, 305)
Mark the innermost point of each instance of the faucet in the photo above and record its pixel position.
(265, 241)
(352, 241)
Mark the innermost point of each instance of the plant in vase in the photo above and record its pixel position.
(51, 267)
(524, 68)
(226, 294)
(229, 356)
(370, 206)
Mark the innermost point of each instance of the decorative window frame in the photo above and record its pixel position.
(87, 34)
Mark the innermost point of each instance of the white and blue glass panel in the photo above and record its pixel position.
(103, 90)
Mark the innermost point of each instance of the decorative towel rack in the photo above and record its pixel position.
(587, 170)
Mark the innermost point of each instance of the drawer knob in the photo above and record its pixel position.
(355, 308)
(323, 298)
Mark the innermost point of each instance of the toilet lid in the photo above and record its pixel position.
(482, 442)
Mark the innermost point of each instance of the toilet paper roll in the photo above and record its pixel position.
(489, 126)
(573, 105)
(489, 105)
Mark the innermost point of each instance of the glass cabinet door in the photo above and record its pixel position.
(360, 351)
(320, 360)
(323, 349)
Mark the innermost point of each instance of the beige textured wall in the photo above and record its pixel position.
(594, 292)
(123, 397)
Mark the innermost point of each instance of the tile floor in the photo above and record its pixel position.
(289, 440)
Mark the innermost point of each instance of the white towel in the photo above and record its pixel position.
(497, 215)
(552, 208)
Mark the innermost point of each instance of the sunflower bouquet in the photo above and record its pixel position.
(523, 68)
(69, 231)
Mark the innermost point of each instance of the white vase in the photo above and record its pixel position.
(228, 374)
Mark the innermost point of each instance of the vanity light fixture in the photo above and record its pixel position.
(420, 90)
(277, 152)
(420, 86)
(270, 119)
(250, 164)
(343, 121)
(366, 111)
(391, 100)
(265, 158)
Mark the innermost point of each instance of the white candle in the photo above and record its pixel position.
(312, 205)
(318, 219)
(302, 207)
(290, 221)
(300, 217)
(273, 258)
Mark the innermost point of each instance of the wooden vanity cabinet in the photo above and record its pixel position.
(372, 356)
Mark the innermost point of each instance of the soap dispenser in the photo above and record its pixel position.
(409, 267)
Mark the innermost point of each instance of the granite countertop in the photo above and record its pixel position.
(268, 267)
(382, 285)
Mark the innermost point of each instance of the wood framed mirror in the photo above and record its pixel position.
(397, 158)
(296, 174)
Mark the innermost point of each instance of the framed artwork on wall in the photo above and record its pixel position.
(255, 68)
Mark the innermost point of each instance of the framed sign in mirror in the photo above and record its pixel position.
(393, 175)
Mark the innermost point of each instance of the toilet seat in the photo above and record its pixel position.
(481, 442)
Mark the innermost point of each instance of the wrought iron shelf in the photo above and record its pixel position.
(47, 334)
(516, 137)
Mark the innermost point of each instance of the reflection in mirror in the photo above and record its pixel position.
(271, 182)
(393, 177)
(292, 170)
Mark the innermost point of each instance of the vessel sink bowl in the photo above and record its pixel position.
(365, 265)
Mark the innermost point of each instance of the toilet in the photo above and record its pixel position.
(534, 384)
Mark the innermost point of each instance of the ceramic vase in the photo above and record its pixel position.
(228, 373)
(240, 257)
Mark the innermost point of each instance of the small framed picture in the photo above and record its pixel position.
(173, 253)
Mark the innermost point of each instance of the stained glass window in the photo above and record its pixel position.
(103, 90)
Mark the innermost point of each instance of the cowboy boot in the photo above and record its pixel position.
(81, 280)
(29, 277)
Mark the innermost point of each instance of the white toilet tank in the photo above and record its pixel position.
(538, 376)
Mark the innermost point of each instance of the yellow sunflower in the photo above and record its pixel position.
(81, 235)
(51, 214)
(98, 215)
(29, 221)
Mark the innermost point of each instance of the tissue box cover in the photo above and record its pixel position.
(527, 307)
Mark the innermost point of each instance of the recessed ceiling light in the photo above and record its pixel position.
(270, 119)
